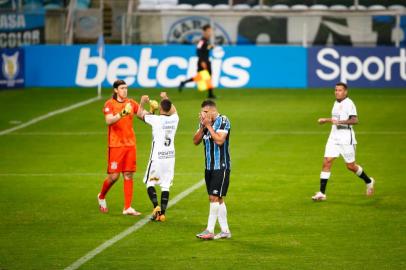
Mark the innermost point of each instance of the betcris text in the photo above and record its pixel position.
(366, 67)
(147, 68)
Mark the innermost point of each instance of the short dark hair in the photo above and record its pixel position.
(206, 26)
(208, 102)
(342, 84)
(166, 105)
(117, 83)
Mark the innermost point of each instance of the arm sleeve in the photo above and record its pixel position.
(224, 125)
(201, 46)
(352, 110)
(150, 119)
(108, 108)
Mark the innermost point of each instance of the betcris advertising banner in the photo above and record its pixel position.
(165, 66)
(359, 67)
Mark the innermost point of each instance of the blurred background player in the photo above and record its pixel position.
(214, 130)
(119, 113)
(203, 53)
(161, 166)
(341, 141)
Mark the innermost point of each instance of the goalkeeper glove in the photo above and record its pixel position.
(127, 110)
(153, 106)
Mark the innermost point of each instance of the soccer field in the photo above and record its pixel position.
(51, 172)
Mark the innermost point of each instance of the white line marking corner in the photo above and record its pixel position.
(138, 225)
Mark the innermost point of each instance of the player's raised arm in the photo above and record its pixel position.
(113, 118)
(173, 108)
(141, 111)
(197, 138)
(218, 137)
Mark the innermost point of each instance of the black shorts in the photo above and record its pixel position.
(217, 182)
(199, 67)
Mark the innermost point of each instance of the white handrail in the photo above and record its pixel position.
(69, 23)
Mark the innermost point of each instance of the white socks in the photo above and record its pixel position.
(325, 175)
(359, 171)
(214, 212)
(219, 211)
(223, 218)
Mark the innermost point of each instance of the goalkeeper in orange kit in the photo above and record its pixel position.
(119, 112)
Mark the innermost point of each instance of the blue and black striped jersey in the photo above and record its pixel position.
(217, 157)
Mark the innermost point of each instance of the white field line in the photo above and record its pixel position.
(90, 255)
(264, 132)
(48, 115)
(71, 174)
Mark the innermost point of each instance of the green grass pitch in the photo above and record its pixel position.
(51, 172)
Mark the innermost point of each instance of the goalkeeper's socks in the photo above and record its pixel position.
(324, 176)
(105, 188)
(128, 193)
(164, 201)
(361, 174)
(152, 196)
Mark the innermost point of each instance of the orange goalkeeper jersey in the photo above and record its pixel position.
(121, 133)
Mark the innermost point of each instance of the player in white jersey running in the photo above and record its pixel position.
(341, 141)
(161, 165)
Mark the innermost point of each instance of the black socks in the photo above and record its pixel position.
(152, 196)
(164, 201)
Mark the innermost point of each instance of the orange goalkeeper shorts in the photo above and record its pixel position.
(122, 159)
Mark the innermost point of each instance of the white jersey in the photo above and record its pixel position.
(343, 134)
(163, 135)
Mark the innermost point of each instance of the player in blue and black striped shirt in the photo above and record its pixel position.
(214, 131)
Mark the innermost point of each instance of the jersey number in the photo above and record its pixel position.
(167, 141)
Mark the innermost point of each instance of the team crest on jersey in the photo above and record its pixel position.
(188, 30)
(114, 165)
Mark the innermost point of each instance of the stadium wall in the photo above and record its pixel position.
(233, 66)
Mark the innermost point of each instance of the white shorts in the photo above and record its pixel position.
(160, 172)
(345, 150)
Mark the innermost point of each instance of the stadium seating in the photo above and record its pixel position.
(241, 7)
(338, 7)
(277, 5)
(280, 7)
(203, 7)
(318, 7)
(221, 7)
(359, 7)
(299, 7)
(376, 7)
(397, 7)
(184, 6)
